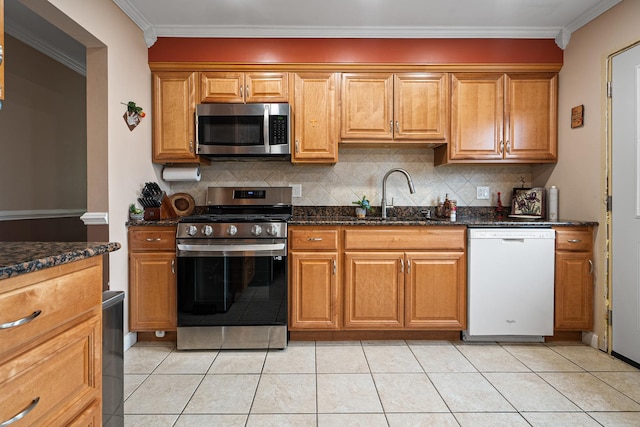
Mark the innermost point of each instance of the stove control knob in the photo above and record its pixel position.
(192, 231)
(207, 230)
(256, 230)
(273, 229)
(232, 230)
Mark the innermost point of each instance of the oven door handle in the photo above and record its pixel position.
(233, 248)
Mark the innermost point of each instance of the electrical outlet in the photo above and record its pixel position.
(482, 193)
(296, 190)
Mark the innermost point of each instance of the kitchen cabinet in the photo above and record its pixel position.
(313, 278)
(152, 278)
(174, 117)
(240, 87)
(52, 363)
(411, 278)
(505, 118)
(574, 279)
(386, 107)
(315, 132)
(1, 50)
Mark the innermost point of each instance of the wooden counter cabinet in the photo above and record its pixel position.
(405, 278)
(152, 279)
(313, 278)
(574, 279)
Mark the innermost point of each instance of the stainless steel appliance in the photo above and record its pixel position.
(511, 284)
(243, 131)
(232, 270)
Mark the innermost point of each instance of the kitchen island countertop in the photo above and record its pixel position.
(25, 257)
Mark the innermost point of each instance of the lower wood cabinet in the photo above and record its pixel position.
(377, 278)
(574, 279)
(152, 279)
(51, 365)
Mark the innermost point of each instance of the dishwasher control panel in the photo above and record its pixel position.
(511, 233)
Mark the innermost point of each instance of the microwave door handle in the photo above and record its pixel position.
(266, 128)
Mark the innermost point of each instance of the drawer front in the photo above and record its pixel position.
(49, 304)
(152, 238)
(61, 373)
(316, 238)
(574, 240)
(405, 238)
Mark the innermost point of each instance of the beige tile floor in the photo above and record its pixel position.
(381, 383)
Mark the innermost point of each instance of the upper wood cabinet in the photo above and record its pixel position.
(174, 117)
(383, 107)
(1, 50)
(315, 130)
(498, 117)
(239, 87)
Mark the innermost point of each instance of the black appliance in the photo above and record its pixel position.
(232, 270)
(112, 359)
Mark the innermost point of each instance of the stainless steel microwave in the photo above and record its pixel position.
(243, 131)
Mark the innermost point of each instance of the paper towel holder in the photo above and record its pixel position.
(181, 173)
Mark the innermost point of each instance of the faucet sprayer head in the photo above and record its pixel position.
(412, 189)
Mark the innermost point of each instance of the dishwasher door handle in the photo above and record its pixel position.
(512, 240)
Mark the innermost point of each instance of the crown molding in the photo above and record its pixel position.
(234, 31)
(600, 8)
(38, 43)
(138, 18)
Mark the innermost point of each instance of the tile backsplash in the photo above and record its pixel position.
(360, 171)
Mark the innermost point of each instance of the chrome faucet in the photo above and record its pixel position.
(412, 189)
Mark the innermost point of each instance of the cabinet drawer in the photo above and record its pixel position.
(152, 238)
(58, 299)
(405, 238)
(61, 373)
(570, 239)
(316, 238)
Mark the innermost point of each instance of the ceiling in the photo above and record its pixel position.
(550, 19)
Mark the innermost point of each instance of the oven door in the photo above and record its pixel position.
(232, 283)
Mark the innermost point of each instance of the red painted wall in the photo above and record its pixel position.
(416, 51)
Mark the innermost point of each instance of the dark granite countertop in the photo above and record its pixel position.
(25, 257)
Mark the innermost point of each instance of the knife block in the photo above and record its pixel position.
(166, 208)
(151, 214)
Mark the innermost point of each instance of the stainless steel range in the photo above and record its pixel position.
(232, 270)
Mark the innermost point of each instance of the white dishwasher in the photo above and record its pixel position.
(510, 284)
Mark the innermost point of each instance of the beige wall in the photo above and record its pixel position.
(43, 136)
(118, 72)
(580, 173)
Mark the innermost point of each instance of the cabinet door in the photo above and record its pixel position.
(374, 290)
(266, 87)
(174, 117)
(477, 104)
(421, 106)
(152, 283)
(435, 291)
(573, 291)
(315, 128)
(222, 87)
(531, 122)
(314, 290)
(367, 106)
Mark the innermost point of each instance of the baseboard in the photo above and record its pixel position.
(590, 339)
(130, 339)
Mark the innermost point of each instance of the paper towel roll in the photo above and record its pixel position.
(181, 173)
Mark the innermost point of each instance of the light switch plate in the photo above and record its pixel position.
(296, 190)
(482, 193)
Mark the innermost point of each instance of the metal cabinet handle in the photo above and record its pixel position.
(401, 265)
(297, 146)
(241, 93)
(191, 146)
(1, 54)
(247, 91)
(335, 267)
(173, 266)
(153, 239)
(408, 266)
(390, 126)
(590, 267)
(314, 239)
(20, 415)
(397, 126)
(574, 240)
(19, 322)
(508, 147)
(501, 147)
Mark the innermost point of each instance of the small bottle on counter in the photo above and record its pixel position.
(453, 210)
(446, 206)
(553, 203)
(499, 208)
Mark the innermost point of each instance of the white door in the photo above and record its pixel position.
(625, 191)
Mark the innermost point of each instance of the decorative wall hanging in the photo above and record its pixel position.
(577, 116)
(133, 115)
